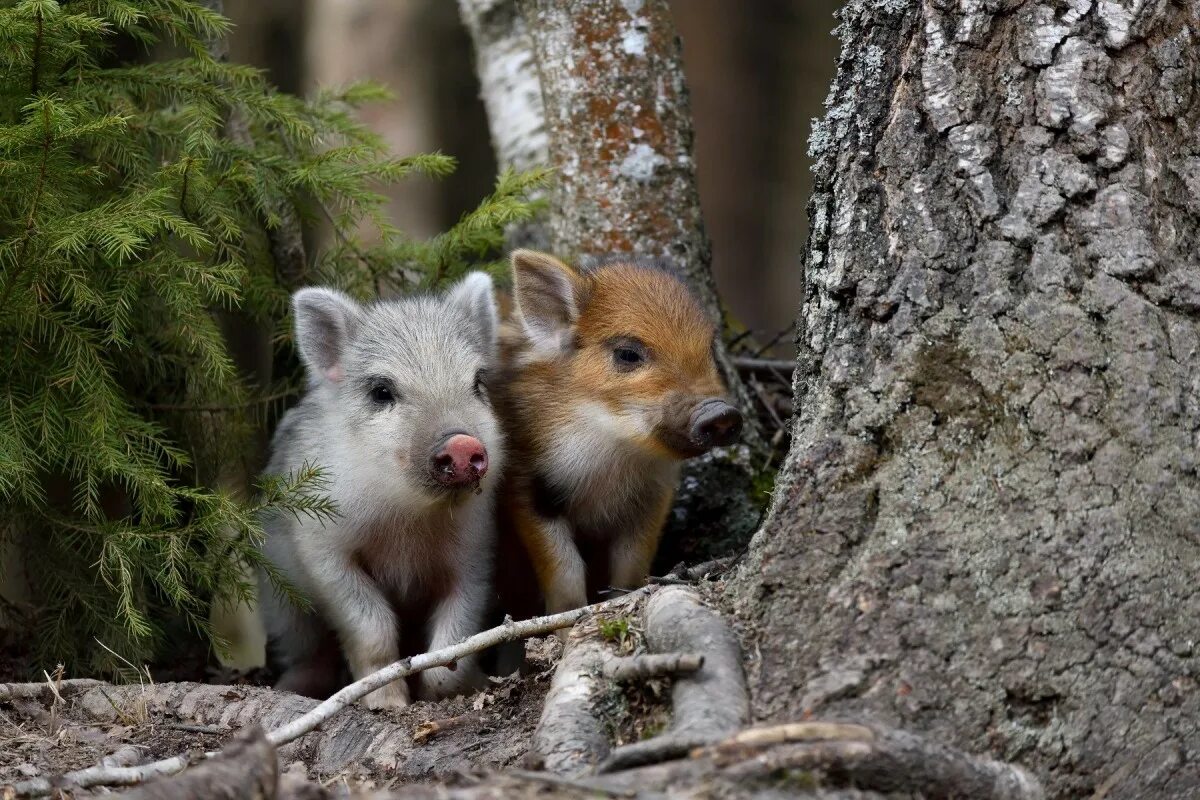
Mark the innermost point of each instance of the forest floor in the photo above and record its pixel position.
(451, 741)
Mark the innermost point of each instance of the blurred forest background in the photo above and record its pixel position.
(758, 73)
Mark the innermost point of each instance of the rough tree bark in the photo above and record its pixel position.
(986, 528)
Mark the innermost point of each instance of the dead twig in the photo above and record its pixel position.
(776, 339)
(798, 732)
(431, 728)
(650, 665)
(749, 364)
(664, 747)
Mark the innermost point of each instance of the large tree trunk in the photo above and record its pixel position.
(987, 526)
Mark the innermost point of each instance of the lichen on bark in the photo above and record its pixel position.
(985, 529)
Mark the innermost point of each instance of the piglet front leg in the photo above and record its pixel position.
(457, 617)
(366, 626)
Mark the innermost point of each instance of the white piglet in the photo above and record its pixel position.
(397, 414)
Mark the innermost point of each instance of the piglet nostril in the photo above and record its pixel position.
(444, 462)
(715, 423)
(724, 428)
(479, 463)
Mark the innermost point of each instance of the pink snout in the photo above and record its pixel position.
(460, 460)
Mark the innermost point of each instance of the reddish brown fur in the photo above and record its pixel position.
(540, 400)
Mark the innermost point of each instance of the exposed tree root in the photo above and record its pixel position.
(247, 769)
(708, 704)
(822, 756)
(570, 737)
(43, 689)
(712, 702)
(710, 708)
(874, 757)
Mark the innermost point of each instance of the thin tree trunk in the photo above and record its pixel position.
(986, 528)
(611, 116)
(512, 95)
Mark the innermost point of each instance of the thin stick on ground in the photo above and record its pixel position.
(650, 665)
(508, 632)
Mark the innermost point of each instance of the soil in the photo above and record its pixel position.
(448, 741)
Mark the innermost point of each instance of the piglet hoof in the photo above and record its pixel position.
(440, 682)
(392, 696)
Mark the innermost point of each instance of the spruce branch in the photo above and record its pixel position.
(30, 220)
(37, 53)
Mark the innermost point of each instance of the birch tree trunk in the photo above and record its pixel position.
(987, 526)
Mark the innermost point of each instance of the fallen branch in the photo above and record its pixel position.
(508, 632)
(650, 665)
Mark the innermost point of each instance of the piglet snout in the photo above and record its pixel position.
(714, 423)
(459, 460)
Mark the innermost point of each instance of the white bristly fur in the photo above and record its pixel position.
(398, 539)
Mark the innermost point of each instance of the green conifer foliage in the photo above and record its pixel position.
(131, 221)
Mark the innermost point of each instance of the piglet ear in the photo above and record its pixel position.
(475, 297)
(325, 320)
(547, 295)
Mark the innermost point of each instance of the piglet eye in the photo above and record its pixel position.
(628, 356)
(481, 384)
(382, 395)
